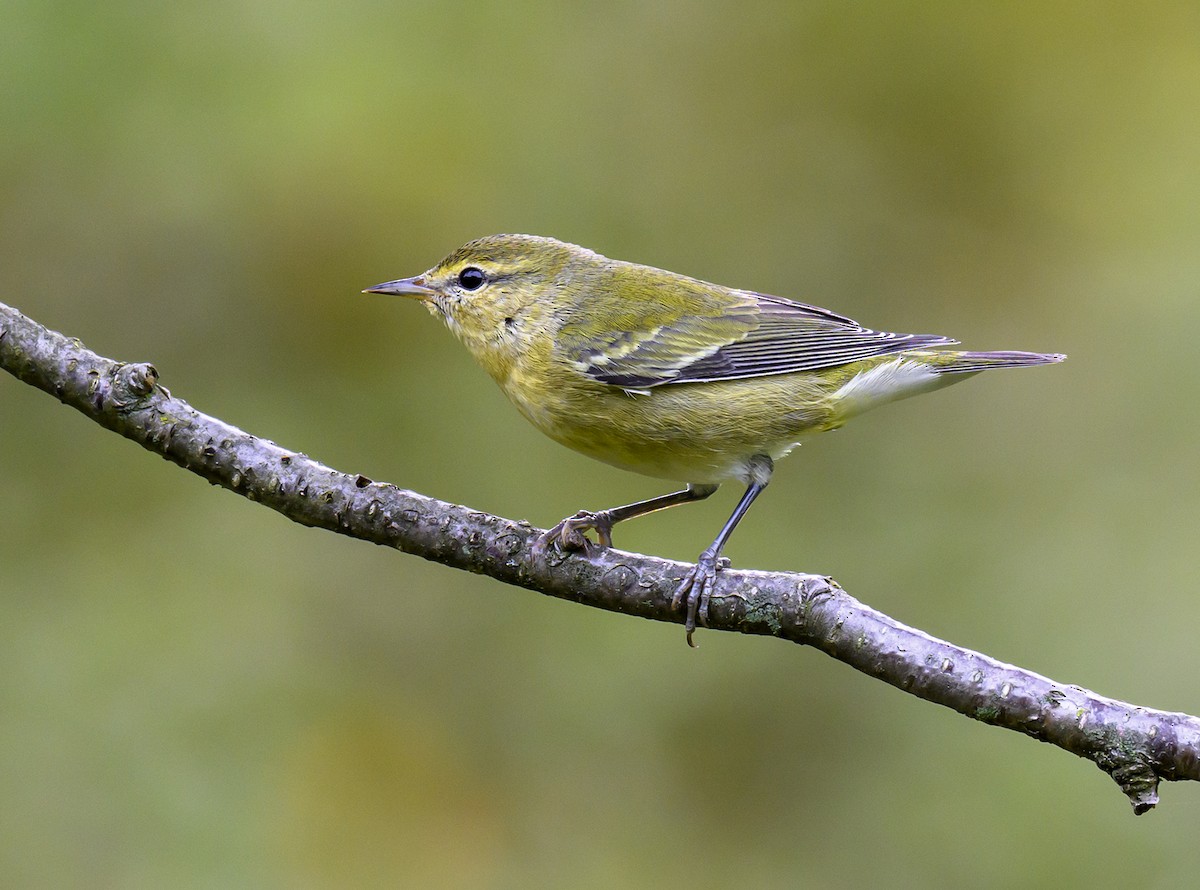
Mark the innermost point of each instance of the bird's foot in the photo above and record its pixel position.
(697, 586)
(570, 534)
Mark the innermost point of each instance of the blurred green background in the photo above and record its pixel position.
(195, 692)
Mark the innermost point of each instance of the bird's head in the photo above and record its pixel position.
(499, 292)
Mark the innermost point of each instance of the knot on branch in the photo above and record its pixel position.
(132, 383)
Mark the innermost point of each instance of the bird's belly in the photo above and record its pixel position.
(692, 432)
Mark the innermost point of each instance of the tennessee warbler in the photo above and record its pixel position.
(670, 376)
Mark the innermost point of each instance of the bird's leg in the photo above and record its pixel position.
(569, 534)
(697, 585)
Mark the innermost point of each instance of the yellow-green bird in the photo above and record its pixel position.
(671, 376)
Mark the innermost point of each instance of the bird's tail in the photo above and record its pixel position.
(971, 362)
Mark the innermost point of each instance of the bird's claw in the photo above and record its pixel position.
(570, 534)
(697, 585)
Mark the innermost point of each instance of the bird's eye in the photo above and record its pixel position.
(471, 278)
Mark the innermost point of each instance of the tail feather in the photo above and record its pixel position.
(970, 362)
(890, 378)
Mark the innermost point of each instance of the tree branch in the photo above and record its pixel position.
(1135, 746)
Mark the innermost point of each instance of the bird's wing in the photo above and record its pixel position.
(744, 335)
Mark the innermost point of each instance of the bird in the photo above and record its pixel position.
(669, 376)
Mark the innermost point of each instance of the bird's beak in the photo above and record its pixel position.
(404, 287)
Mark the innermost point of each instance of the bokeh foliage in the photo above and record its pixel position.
(194, 692)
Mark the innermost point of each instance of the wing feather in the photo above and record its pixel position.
(745, 335)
